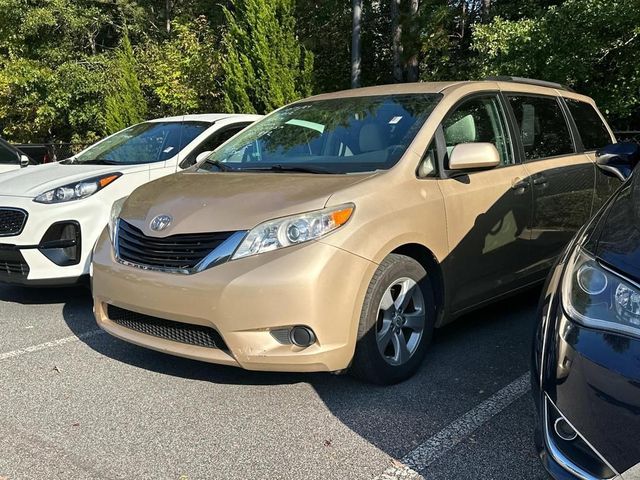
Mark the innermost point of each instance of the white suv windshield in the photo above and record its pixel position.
(144, 143)
(344, 135)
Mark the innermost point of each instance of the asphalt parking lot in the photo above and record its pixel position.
(77, 403)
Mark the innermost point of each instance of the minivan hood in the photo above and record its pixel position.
(32, 181)
(222, 202)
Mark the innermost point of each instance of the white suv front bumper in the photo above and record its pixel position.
(92, 216)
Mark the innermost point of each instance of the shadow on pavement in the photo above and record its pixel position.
(43, 295)
(469, 361)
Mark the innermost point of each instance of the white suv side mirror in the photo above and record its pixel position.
(24, 161)
(203, 155)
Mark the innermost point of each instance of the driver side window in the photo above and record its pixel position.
(479, 119)
(213, 142)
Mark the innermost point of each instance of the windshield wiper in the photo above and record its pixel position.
(101, 161)
(223, 167)
(290, 168)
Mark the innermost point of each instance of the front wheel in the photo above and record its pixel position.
(396, 324)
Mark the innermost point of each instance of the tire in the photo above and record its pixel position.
(380, 357)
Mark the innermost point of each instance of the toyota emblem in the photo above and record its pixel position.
(160, 223)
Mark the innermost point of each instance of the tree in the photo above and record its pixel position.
(54, 65)
(265, 65)
(182, 74)
(125, 105)
(356, 56)
(396, 40)
(324, 28)
(591, 45)
(412, 62)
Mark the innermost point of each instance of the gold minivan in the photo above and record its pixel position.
(339, 231)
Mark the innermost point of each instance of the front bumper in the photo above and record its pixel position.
(245, 301)
(592, 379)
(24, 262)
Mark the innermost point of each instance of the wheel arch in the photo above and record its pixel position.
(425, 257)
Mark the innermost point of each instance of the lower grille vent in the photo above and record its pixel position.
(169, 330)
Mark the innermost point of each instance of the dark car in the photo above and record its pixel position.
(586, 355)
(40, 152)
(11, 158)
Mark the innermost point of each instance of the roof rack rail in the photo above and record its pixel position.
(530, 81)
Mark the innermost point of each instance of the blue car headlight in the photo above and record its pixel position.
(598, 297)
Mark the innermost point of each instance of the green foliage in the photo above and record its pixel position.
(124, 105)
(48, 86)
(182, 74)
(265, 65)
(325, 29)
(66, 71)
(591, 45)
(443, 54)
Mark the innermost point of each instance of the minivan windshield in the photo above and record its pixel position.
(143, 143)
(345, 135)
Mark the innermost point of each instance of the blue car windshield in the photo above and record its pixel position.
(345, 135)
(143, 143)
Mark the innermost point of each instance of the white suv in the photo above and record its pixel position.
(51, 215)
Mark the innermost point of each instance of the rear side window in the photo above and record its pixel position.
(543, 127)
(7, 156)
(592, 130)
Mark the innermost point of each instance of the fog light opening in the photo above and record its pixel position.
(62, 243)
(564, 430)
(302, 336)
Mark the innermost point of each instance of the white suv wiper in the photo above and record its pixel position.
(101, 161)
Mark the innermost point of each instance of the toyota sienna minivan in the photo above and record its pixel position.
(339, 231)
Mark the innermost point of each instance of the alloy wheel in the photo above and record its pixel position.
(401, 321)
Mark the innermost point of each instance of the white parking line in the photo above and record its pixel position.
(425, 454)
(53, 343)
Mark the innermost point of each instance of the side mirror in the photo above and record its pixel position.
(469, 156)
(203, 155)
(619, 159)
(24, 161)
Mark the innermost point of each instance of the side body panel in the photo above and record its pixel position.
(487, 228)
(563, 196)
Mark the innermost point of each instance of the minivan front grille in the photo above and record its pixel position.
(183, 251)
(12, 221)
(197, 335)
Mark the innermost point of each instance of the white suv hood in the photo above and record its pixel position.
(31, 181)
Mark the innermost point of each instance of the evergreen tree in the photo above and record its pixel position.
(125, 104)
(265, 66)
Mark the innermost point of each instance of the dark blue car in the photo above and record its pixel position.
(586, 356)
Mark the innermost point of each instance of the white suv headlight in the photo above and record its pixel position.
(599, 298)
(78, 190)
(293, 230)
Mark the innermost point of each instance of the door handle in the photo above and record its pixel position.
(540, 180)
(519, 184)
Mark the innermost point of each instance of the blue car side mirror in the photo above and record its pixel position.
(619, 159)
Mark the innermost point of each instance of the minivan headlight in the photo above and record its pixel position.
(78, 190)
(599, 298)
(115, 214)
(293, 230)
